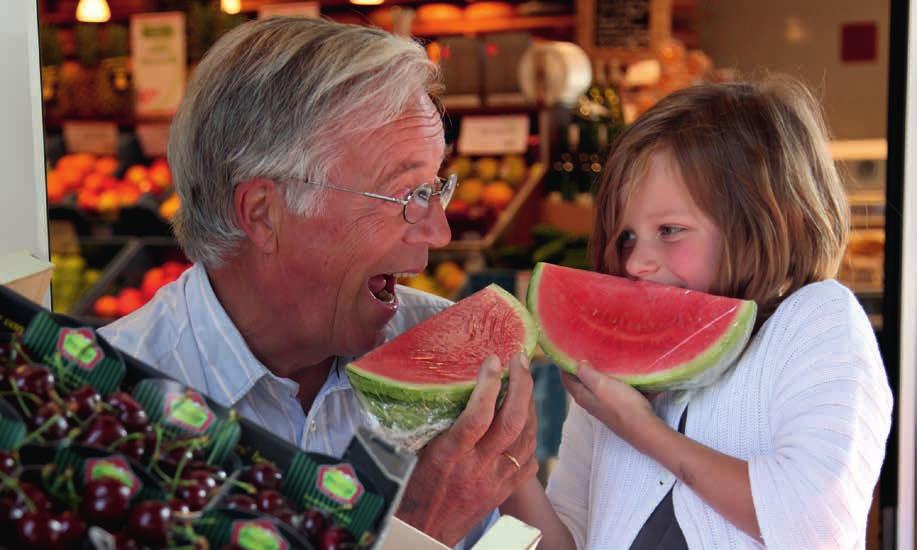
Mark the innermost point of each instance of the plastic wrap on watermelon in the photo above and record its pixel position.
(417, 384)
(653, 337)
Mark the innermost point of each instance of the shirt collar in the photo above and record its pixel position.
(235, 368)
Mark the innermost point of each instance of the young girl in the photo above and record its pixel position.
(728, 189)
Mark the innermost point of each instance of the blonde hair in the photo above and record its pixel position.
(755, 159)
(277, 99)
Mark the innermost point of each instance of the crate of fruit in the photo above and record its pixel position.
(132, 280)
(98, 450)
(79, 264)
(490, 193)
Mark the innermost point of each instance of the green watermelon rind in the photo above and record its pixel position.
(406, 405)
(714, 359)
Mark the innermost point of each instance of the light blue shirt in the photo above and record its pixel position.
(185, 333)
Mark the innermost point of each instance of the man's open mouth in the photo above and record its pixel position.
(382, 287)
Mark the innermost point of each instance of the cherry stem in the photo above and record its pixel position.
(245, 486)
(38, 431)
(121, 440)
(13, 484)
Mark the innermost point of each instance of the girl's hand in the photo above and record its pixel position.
(623, 409)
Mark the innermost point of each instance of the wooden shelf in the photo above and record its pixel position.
(466, 26)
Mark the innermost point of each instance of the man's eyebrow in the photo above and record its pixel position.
(399, 169)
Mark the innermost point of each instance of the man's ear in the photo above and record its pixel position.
(255, 203)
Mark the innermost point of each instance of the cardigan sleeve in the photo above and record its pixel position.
(568, 487)
(829, 414)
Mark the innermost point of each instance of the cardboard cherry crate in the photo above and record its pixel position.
(356, 493)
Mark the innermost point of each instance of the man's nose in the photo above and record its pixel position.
(433, 229)
(641, 262)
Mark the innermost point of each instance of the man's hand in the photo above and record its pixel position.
(466, 472)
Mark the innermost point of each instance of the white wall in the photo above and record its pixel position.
(907, 404)
(23, 214)
(802, 38)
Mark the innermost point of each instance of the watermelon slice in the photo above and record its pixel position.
(418, 383)
(651, 336)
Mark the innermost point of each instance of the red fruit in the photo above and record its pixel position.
(194, 493)
(106, 306)
(203, 477)
(241, 502)
(335, 538)
(149, 522)
(128, 411)
(313, 525)
(38, 529)
(263, 475)
(269, 500)
(7, 463)
(173, 269)
(51, 417)
(129, 301)
(72, 528)
(33, 379)
(153, 280)
(83, 402)
(105, 502)
(179, 508)
(103, 432)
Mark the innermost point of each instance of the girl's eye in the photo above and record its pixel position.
(626, 240)
(670, 230)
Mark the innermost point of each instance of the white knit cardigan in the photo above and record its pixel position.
(808, 406)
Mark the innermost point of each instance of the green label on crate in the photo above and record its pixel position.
(79, 346)
(340, 483)
(188, 411)
(114, 467)
(257, 535)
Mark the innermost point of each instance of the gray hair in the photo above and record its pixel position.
(276, 98)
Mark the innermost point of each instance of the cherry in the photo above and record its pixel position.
(263, 475)
(56, 428)
(123, 541)
(72, 528)
(283, 513)
(240, 502)
(33, 379)
(179, 508)
(270, 500)
(7, 463)
(83, 402)
(194, 493)
(217, 473)
(133, 448)
(128, 411)
(36, 495)
(335, 538)
(313, 525)
(103, 431)
(149, 522)
(38, 529)
(105, 502)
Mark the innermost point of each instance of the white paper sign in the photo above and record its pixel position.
(159, 56)
(100, 138)
(493, 135)
(153, 138)
(295, 9)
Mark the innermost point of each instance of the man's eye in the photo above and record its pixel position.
(424, 192)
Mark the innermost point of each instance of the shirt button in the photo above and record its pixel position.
(312, 426)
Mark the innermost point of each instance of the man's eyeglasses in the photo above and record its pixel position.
(416, 203)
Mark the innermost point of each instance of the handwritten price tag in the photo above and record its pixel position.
(493, 135)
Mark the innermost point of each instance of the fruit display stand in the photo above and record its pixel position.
(75, 423)
(504, 218)
(139, 271)
(80, 264)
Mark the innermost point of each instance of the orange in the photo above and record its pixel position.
(106, 306)
(497, 195)
(169, 207)
(106, 165)
(136, 173)
(470, 191)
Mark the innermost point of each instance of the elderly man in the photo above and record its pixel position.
(305, 154)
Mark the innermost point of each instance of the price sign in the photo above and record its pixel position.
(100, 138)
(159, 54)
(294, 9)
(493, 135)
(153, 138)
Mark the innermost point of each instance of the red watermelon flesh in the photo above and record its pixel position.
(420, 381)
(649, 335)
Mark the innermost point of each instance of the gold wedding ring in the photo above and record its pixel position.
(512, 459)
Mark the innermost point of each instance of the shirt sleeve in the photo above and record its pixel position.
(829, 410)
(568, 487)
